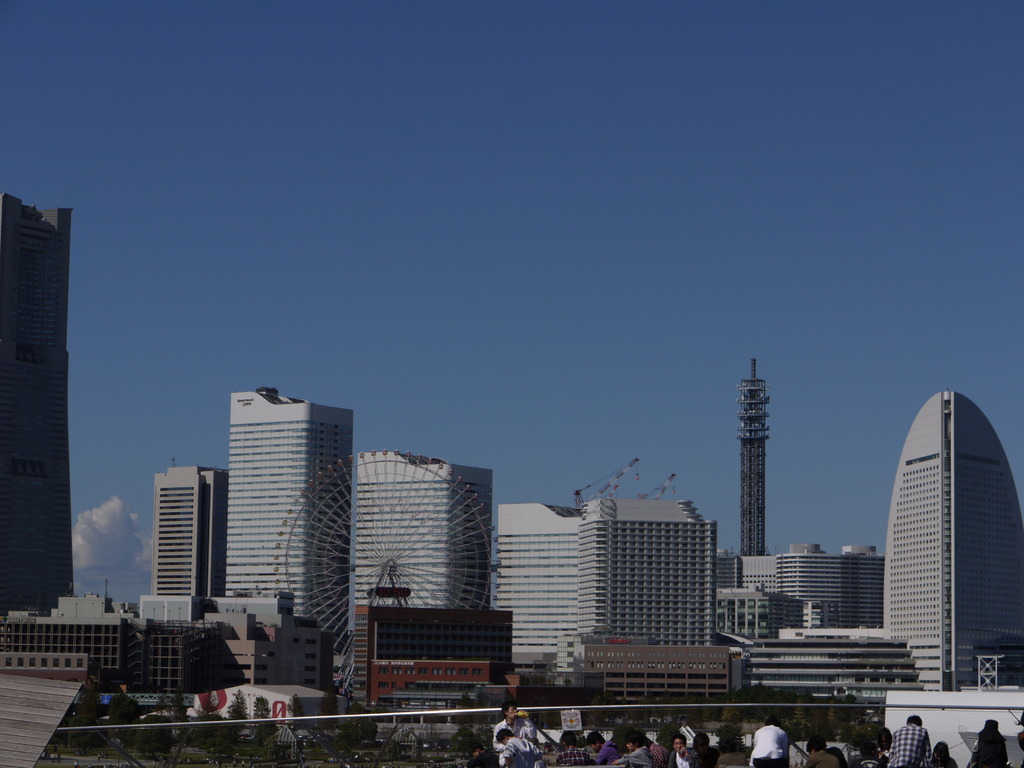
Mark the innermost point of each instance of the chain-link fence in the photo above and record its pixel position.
(443, 739)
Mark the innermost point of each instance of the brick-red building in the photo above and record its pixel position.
(429, 656)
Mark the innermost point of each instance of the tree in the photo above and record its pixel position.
(728, 731)
(367, 729)
(88, 705)
(123, 709)
(261, 710)
(348, 736)
(296, 707)
(205, 738)
(179, 713)
(329, 702)
(238, 709)
(83, 739)
(155, 741)
(464, 738)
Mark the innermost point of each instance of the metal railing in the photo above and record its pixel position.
(442, 738)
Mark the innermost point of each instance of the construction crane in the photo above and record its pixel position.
(658, 492)
(611, 483)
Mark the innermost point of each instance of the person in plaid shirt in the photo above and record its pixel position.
(571, 754)
(659, 755)
(911, 747)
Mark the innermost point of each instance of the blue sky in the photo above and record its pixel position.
(539, 237)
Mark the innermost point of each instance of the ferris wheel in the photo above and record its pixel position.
(407, 532)
(318, 551)
(422, 534)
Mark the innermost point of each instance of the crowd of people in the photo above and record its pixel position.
(514, 746)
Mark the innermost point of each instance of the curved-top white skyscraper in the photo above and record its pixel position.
(955, 542)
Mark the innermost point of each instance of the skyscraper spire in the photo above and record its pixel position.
(752, 434)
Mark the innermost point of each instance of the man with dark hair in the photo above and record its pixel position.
(515, 752)
(911, 746)
(637, 755)
(818, 756)
(521, 727)
(868, 757)
(479, 757)
(571, 754)
(606, 751)
(771, 745)
(707, 755)
(680, 754)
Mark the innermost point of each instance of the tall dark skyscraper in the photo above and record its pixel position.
(752, 434)
(35, 486)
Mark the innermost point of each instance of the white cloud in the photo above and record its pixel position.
(108, 543)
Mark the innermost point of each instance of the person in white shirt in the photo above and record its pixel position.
(771, 745)
(680, 757)
(516, 752)
(521, 727)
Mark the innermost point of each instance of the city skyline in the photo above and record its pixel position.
(540, 239)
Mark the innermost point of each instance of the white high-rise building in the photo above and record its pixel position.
(538, 575)
(423, 532)
(277, 445)
(955, 543)
(190, 511)
(647, 567)
(837, 590)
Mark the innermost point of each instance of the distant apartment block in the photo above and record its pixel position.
(277, 446)
(538, 575)
(190, 508)
(647, 567)
(836, 589)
